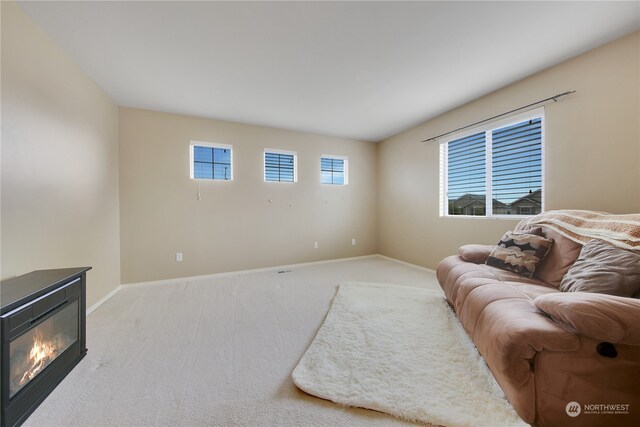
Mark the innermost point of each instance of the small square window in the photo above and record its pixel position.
(334, 170)
(211, 161)
(280, 166)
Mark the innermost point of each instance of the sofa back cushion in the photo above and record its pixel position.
(604, 269)
(559, 260)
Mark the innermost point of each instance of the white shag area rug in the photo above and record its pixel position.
(401, 350)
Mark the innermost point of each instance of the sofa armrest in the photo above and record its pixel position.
(603, 317)
(476, 254)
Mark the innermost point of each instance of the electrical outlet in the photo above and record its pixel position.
(315, 245)
(178, 256)
(353, 242)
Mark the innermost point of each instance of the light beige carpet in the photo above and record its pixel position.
(214, 352)
(401, 350)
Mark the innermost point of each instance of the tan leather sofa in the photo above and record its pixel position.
(590, 353)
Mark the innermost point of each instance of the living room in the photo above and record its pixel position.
(332, 121)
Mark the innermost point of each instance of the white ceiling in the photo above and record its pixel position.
(363, 70)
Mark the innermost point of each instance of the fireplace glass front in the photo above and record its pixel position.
(31, 352)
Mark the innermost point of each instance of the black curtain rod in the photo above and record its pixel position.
(554, 98)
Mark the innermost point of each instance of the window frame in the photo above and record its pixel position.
(488, 128)
(193, 144)
(345, 164)
(279, 151)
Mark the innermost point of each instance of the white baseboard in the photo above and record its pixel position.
(249, 271)
(419, 267)
(103, 300)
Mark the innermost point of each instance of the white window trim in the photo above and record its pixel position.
(346, 168)
(211, 145)
(278, 151)
(491, 126)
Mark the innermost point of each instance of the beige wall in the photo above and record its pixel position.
(233, 226)
(591, 159)
(62, 204)
(59, 161)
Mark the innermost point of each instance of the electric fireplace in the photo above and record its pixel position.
(43, 336)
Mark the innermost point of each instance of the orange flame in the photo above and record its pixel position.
(41, 353)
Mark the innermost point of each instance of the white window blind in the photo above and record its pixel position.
(466, 175)
(516, 168)
(279, 166)
(496, 170)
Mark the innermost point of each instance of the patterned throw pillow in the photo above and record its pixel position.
(519, 252)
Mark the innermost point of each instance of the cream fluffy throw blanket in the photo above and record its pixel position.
(622, 231)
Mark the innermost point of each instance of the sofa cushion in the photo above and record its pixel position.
(519, 252)
(476, 254)
(604, 269)
(602, 317)
(534, 291)
(561, 256)
(510, 276)
(453, 271)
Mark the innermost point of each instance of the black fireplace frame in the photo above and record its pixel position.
(27, 301)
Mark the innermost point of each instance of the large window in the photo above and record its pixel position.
(494, 170)
(280, 166)
(334, 170)
(210, 161)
